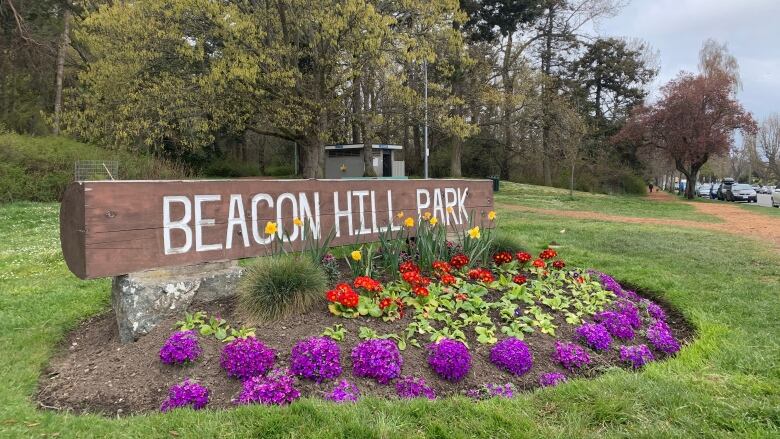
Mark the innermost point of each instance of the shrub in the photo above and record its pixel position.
(186, 393)
(513, 355)
(245, 358)
(378, 359)
(637, 356)
(616, 323)
(660, 336)
(570, 355)
(316, 358)
(595, 335)
(551, 379)
(274, 287)
(410, 387)
(344, 391)
(277, 388)
(505, 242)
(450, 359)
(181, 347)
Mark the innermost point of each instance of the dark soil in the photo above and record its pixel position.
(93, 372)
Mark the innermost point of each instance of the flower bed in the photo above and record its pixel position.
(461, 324)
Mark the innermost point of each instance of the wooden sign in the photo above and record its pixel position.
(109, 228)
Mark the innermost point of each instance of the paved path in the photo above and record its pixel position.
(736, 220)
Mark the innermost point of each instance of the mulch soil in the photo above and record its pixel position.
(92, 372)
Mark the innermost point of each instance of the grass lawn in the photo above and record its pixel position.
(625, 205)
(725, 384)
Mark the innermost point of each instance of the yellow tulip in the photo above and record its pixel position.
(474, 233)
(297, 222)
(409, 222)
(433, 221)
(427, 216)
(270, 228)
(450, 209)
(400, 214)
(492, 215)
(357, 255)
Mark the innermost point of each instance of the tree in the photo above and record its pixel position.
(768, 143)
(694, 120)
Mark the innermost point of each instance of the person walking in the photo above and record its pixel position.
(650, 186)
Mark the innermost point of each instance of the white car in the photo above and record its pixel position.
(776, 197)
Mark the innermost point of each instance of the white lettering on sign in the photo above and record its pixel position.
(350, 217)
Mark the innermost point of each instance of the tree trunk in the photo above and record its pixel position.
(571, 181)
(64, 43)
(368, 129)
(311, 151)
(546, 93)
(506, 119)
(413, 161)
(455, 157)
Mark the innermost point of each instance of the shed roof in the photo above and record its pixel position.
(360, 145)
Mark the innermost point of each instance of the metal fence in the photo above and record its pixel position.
(91, 170)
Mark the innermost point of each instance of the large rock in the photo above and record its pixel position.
(142, 300)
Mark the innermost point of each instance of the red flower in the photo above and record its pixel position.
(459, 261)
(448, 279)
(538, 263)
(368, 284)
(384, 303)
(332, 296)
(519, 279)
(420, 291)
(474, 273)
(558, 264)
(481, 274)
(523, 257)
(502, 258)
(461, 296)
(408, 266)
(441, 267)
(350, 300)
(548, 254)
(343, 288)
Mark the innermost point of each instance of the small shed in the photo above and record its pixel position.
(346, 161)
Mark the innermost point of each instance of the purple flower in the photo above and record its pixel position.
(630, 312)
(316, 358)
(570, 355)
(410, 387)
(181, 347)
(638, 356)
(551, 379)
(616, 323)
(660, 336)
(655, 311)
(276, 388)
(245, 358)
(512, 355)
(609, 284)
(344, 392)
(595, 335)
(492, 391)
(186, 393)
(378, 359)
(450, 359)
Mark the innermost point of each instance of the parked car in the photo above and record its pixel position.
(724, 187)
(763, 190)
(776, 197)
(704, 190)
(742, 192)
(714, 191)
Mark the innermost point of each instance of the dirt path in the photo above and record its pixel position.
(735, 220)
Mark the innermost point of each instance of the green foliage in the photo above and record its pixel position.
(228, 168)
(274, 287)
(39, 168)
(505, 241)
(336, 332)
(216, 326)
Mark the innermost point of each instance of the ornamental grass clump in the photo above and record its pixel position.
(344, 391)
(595, 335)
(278, 286)
(616, 323)
(316, 358)
(379, 359)
(570, 356)
(551, 379)
(450, 359)
(637, 356)
(276, 388)
(186, 394)
(244, 358)
(181, 347)
(512, 355)
(411, 387)
(660, 336)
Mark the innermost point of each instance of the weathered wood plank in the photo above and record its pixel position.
(111, 228)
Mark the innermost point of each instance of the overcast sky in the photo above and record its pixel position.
(677, 28)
